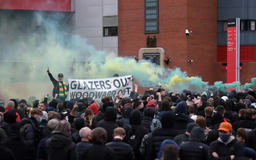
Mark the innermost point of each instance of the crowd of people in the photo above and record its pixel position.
(158, 125)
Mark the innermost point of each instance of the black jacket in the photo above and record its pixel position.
(6, 154)
(251, 140)
(109, 123)
(122, 150)
(194, 149)
(29, 131)
(181, 123)
(181, 138)
(60, 147)
(99, 152)
(146, 122)
(213, 134)
(95, 120)
(158, 136)
(247, 124)
(208, 120)
(224, 151)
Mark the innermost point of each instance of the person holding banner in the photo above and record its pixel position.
(59, 86)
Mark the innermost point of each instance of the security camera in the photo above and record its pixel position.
(187, 32)
(190, 60)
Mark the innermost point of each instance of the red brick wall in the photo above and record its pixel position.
(174, 17)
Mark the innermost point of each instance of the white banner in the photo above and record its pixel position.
(99, 88)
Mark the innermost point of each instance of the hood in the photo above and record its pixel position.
(216, 119)
(197, 134)
(150, 112)
(151, 104)
(135, 118)
(127, 111)
(181, 108)
(168, 120)
(59, 141)
(31, 121)
(53, 103)
(94, 108)
(183, 117)
(106, 105)
(80, 107)
(110, 114)
(70, 105)
(230, 140)
(10, 116)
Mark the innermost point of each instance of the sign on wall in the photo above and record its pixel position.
(99, 88)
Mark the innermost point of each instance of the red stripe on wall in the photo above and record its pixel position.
(49, 5)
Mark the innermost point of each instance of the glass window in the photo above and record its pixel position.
(151, 4)
(151, 21)
(150, 11)
(242, 25)
(110, 31)
(225, 26)
(106, 32)
(252, 25)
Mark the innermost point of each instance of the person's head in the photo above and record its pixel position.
(10, 116)
(170, 152)
(107, 105)
(36, 104)
(1, 116)
(94, 108)
(197, 134)
(119, 133)
(251, 98)
(42, 106)
(60, 107)
(60, 77)
(190, 103)
(181, 108)
(150, 112)
(63, 127)
(54, 104)
(162, 92)
(15, 103)
(138, 105)
(135, 118)
(199, 102)
(208, 111)
(190, 126)
(79, 123)
(241, 135)
(52, 124)
(99, 136)
(53, 115)
(36, 113)
(201, 122)
(168, 120)
(248, 113)
(85, 134)
(225, 131)
(242, 113)
(221, 110)
(191, 110)
(115, 75)
(11, 104)
(110, 114)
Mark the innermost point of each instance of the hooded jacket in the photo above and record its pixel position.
(225, 150)
(248, 124)
(17, 114)
(60, 147)
(161, 134)
(126, 113)
(109, 123)
(182, 119)
(194, 149)
(251, 140)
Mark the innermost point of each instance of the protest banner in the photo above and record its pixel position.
(99, 88)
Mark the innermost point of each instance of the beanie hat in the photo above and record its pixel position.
(151, 104)
(94, 108)
(70, 105)
(168, 120)
(80, 107)
(106, 105)
(79, 123)
(126, 100)
(190, 126)
(225, 126)
(247, 100)
(181, 108)
(53, 103)
(197, 134)
(127, 110)
(135, 118)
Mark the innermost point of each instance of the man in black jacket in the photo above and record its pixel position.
(182, 138)
(194, 149)
(226, 147)
(122, 150)
(159, 135)
(59, 87)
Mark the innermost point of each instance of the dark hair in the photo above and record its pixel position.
(248, 113)
(241, 132)
(208, 111)
(251, 98)
(242, 112)
(161, 90)
(220, 109)
(35, 104)
(170, 152)
(105, 99)
(61, 107)
(191, 110)
(99, 136)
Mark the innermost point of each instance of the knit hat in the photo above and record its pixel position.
(247, 100)
(79, 123)
(106, 105)
(190, 126)
(53, 103)
(151, 104)
(135, 118)
(127, 110)
(225, 126)
(94, 108)
(70, 105)
(126, 100)
(10, 116)
(168, 120)
(80, 107)
(181, 108)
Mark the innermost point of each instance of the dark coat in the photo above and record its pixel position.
(99, 152)
(81, 147)
(181, 138)
(181, 123)
(247, 124)
(55, 85)
(194, 149)
(208, 120)
(60, 147)
(251, 140)
(146, 122)
(158, 136)
(122, 150)
(95, 120)
(42, 152)
(224, 151)
(6, 154)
